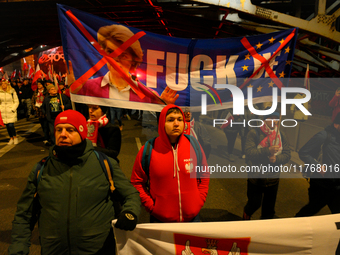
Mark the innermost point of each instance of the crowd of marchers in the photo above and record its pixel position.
(76, 192)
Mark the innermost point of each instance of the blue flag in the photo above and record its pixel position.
(121, 66)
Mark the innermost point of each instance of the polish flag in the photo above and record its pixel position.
(19, 74)
(37, 75)
(50, 73)
(24, 66)
(14, 74)
(56, 84)
(31, 73)
(227, 120)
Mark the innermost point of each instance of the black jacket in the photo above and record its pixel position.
(46, 108)
(112, 139)
(329, 141)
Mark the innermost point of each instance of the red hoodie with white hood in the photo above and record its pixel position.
(175, 194)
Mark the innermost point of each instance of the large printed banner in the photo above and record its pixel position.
(310, 235)
(117, 65)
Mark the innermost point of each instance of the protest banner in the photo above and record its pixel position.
(121, 66)
(308, 235)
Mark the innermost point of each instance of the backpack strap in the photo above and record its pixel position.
(146, 157)
(38, 172)
(106, 167)
(195, 144)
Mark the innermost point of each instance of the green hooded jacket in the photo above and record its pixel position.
(76, 209)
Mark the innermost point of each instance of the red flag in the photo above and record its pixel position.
(1, 121)
(45, 75)
(25, 66)
(227, 120)
(1, 69)
(31, 73)
(19, 74)
(14, 74)
(37, 75)
(307, 82)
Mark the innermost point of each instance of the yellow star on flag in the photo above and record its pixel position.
(288, 62)
(250, 86)
(287, 50)
(271, 40)
(247, 57)
(259, 45)
(271, 83)
(282, 74)
(259, 89)
(282, 41)
(245, 68)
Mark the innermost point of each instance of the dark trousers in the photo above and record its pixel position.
(51, 127)
(116, 112)
(11, 129)
(318, 198)
(45, 128)
(231, 137)
(258, 195)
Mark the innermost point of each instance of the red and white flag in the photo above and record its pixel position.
(14, 74)
(31, 73)
(37, 75)
(50, 73)
(56, 84)
(24, 66)
(227, 120)
(19, 73)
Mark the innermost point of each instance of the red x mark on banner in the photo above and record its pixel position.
(106, 58)
(265, 62)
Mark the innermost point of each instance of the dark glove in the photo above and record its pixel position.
(126, 221)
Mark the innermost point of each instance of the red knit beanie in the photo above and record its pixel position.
(74, 118)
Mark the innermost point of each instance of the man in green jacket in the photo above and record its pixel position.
(74, 197)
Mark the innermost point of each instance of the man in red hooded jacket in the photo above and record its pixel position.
(176, 193)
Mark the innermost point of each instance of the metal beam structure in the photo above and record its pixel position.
(322, 24)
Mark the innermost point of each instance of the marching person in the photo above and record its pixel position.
(266, 146)
(53, 104)
(105, 136)
(171, 190)
(8, 107)
(37, 101)
(324, 182)
(71, 197)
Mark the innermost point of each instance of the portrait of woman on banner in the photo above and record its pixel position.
(112, 85)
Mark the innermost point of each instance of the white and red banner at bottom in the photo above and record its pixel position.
(318, 235)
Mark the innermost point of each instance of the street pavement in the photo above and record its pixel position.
(225, 201)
